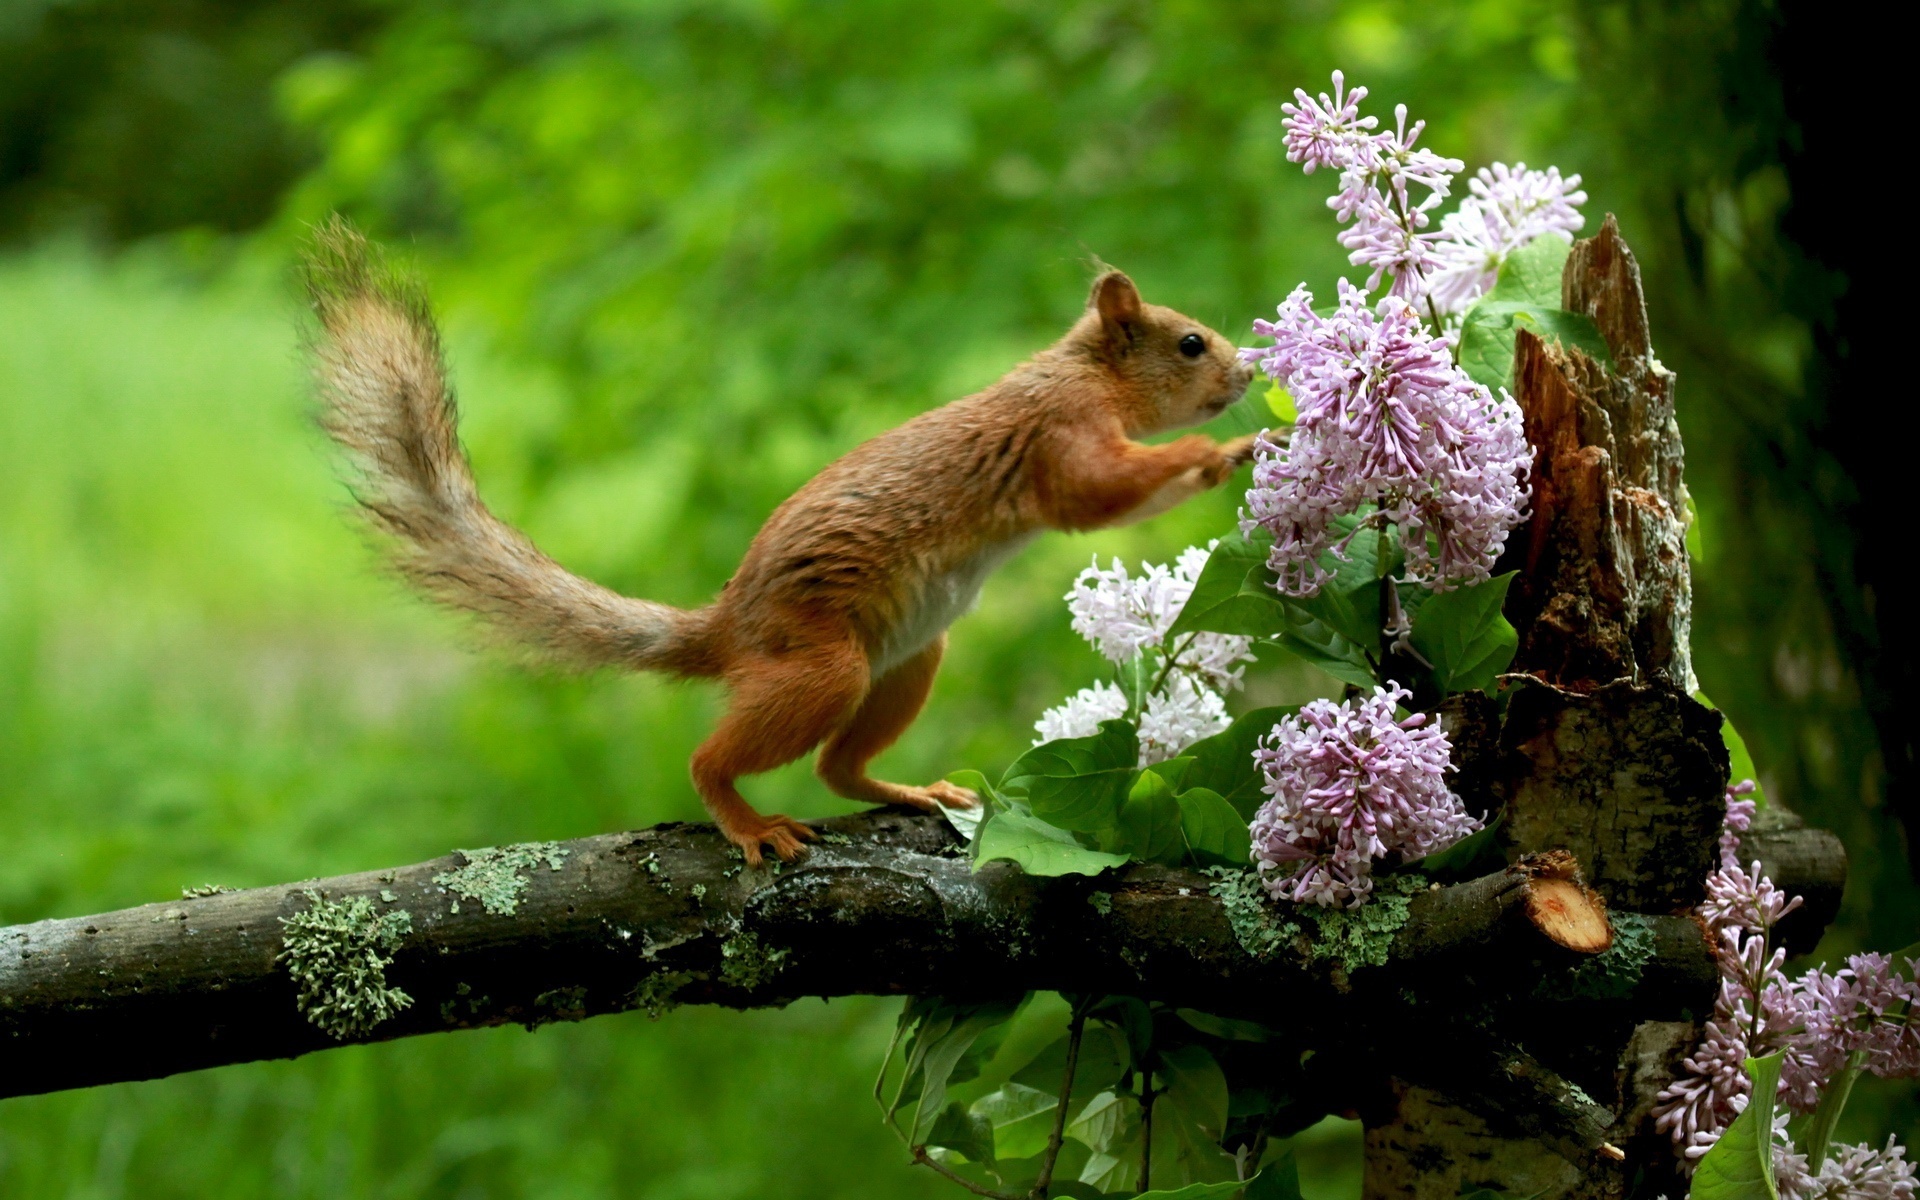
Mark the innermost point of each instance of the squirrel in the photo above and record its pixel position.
(831, 631)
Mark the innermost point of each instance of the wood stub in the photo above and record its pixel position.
(1561, 905)
(1603, 591)
(1630, 779)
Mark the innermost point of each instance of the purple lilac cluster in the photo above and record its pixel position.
(1351, 786)
(1822, 1023)
(1380, 171)
(1384, 418)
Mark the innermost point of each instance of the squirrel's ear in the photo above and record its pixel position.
(1119, 304)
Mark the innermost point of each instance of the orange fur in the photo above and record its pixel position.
(830, 633)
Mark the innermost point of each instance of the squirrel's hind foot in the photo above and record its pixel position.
(785, 835)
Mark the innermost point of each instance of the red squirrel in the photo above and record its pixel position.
(831, 631)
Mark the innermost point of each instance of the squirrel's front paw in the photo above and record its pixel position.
(1239, 450)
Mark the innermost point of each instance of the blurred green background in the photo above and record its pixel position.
(687, 253)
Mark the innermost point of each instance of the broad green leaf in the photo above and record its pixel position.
(941, 1046)
(1531, 274)
(1106, 1123)
(1224, 762)
(1040, 848)
(1232, 594)
(1280, 402)
(1195, 1087)
(1149, 824)
(963, 1133)
(1490, 329)
(1020, 1119)
(1189, 1116)
(1131, 1016)
(1463, 634)
(1195, 1191)
(1738, 758)
(1740, 1164)
(1104, 1058)
(1278, 1180)
(1320, 645)
(1077, 783)
(1215, 834)
(966, 821)
(1174, 771)
(1226, 1028)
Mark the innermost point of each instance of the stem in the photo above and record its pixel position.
(1172, 658)
(1075, 1028)
(921, 1156)
(1146, 1130)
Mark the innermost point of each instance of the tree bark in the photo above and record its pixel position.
(884, 905)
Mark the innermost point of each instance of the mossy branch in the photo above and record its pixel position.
(886, 904)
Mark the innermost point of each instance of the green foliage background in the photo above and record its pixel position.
(688, 253)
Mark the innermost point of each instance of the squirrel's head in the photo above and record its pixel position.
(1175, 371)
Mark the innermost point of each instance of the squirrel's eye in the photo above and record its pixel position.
(1193, 345)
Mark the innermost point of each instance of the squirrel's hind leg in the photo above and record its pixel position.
(782, 707)
(889, 708)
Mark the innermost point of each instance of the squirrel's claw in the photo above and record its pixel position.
(785, 835)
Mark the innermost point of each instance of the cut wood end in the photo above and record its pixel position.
(1569, 914)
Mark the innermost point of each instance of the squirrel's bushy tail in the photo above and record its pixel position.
(384, 396)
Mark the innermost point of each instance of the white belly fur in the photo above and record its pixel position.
(944, 600)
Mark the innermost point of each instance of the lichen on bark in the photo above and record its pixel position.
(495, 875)
(337, 952)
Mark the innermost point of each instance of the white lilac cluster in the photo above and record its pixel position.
(1386, 419)
(1351, 786)
(1389, 189)
(1821, 1023)
(1126, 618)
(1506, 208)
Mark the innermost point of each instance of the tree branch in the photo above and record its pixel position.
(885, 905)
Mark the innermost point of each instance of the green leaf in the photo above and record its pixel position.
(1818, 1134)
(1491, 327)
(1215, 833)
(1280, 402)
(1233, 594)
(1317, 643)
(1189, 1116)
(1040, 848)
(1531, 274)
(1106, 1123)
(1278, 1180)
(1020, 1119)
(963, 1133)
(1149, 824)
(1174, 771)
(1195, 1191)
(1103, 1060)
(1740, 1164)
(939, 1054)
(1463, 634)
(1077, 783)
(1224, 762)
(1226, 1028)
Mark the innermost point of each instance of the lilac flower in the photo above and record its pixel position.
(1351, 786)
(1818, 1023)
(1849, 1173)
(1384, 418)
(1507, 207)
(1323, 132)
(1177, 716)
(1081, 714)
(1126, 615)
